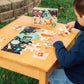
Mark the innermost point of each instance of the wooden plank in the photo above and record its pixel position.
(19, 68)
(42, 79)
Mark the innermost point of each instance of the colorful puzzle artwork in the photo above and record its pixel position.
(45, 16)
(25, 40)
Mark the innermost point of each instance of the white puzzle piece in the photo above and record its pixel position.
(0, 46)
(1, 39)
(41, 55)
(66, 31)
(63, 31)
(31, 48)
(18, 27)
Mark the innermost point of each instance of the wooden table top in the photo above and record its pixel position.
(26, 58)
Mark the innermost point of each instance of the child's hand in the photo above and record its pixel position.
(70, 25)
(53, 39)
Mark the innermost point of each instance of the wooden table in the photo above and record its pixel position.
(25, 63)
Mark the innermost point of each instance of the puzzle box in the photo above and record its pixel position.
(45, 16)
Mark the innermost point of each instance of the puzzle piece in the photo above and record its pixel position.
(15, 42)
(48, 45)
(1, 39)
(63, 31)
(9, 46)
(66, 31)
(31, 48)
(0, 46)
(44, 38)
(35, 45)
(18, 49)
(41, 55)
(21, 53)
(19, 27)
(21, 35)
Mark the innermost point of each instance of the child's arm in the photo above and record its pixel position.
(70, 25)
(74, 24)
(78, 26)
(68, 58)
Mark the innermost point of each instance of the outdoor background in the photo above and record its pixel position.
(65, 15)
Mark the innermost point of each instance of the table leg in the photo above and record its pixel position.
(44, 75)
(43, 78)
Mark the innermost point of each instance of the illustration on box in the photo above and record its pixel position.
(45, 16)
(25, 40)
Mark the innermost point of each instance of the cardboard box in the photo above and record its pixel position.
(45, 16)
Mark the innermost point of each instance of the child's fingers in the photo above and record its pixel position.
(67, 25)
(53, 35)
(50, 42)
(69, 28)
(53, 38)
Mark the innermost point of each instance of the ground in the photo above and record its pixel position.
(65, 15)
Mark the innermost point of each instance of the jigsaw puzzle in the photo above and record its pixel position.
(25, 40)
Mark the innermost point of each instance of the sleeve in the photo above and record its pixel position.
(78, 26)
(68, 58)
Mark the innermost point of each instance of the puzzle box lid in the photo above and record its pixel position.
(45, 16)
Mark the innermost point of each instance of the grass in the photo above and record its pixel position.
(65, 15)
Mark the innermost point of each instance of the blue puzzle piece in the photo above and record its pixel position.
(18, 49)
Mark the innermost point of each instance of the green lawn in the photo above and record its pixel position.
(65, 14)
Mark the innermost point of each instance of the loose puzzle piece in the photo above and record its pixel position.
(48, 45)
(1, 39)
(31, 48)
(66, 31)
(36, 45)
(0, 47)
(19, 27)
(63, 31)
(41, 55)
(44, 38)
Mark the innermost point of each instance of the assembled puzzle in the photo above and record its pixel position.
(45, 16)
(25, 40)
